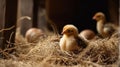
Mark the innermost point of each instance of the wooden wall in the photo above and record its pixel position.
(34, 9)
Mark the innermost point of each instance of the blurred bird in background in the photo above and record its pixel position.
(34, 34)
(87, 34)
(104, 28)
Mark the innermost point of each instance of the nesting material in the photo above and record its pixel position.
(47, 53)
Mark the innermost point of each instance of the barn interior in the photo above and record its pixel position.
(50, 16)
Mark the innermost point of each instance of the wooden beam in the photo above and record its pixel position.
(2, 15)
(26, 9)
(35, 12)
(10, 22)
(113, 6)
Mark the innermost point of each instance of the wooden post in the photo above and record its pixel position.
(10, 22)
(113, 6)
(35, 12)
(2, 15)
(26, 7)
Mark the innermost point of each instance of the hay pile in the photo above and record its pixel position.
(46, 53)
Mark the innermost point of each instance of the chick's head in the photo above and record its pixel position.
(99, 16)
(70, 30)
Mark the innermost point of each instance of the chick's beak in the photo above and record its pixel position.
(94, 18)
(63, 31)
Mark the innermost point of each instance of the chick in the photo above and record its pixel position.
(87, 34)
(70, 40)
(33, 34)
(104, 28)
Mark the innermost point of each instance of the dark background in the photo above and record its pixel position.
(79, 12)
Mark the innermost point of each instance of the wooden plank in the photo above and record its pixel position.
(113, 6)
(35, 12)
(10, 22)
(39, 14)
(2, 15)
(26, 9)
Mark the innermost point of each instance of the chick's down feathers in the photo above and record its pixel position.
(70, 40)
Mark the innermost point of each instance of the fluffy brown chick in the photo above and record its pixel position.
(70, 40)
(87, 34)
(33, 34)
(104, 28)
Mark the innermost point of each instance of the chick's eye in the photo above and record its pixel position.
(70, 31)
(98, 16)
